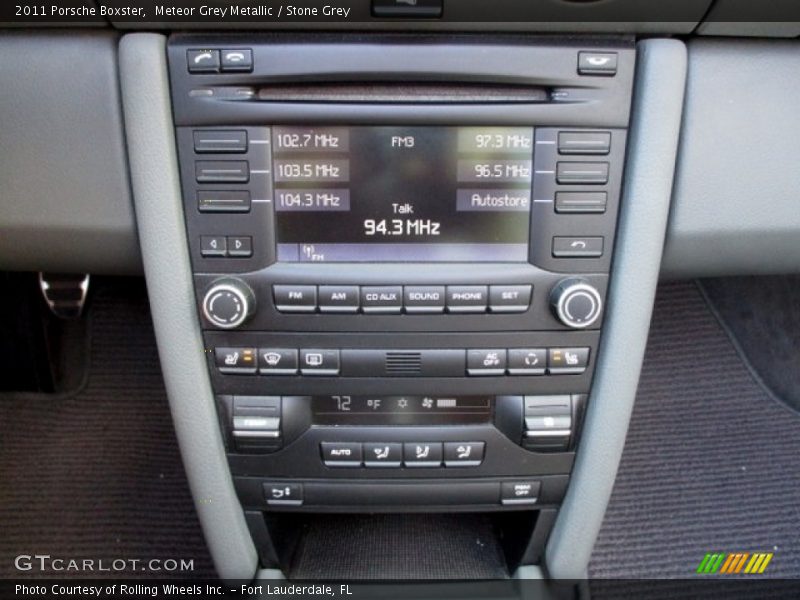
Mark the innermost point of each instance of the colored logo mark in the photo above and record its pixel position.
(731, 563)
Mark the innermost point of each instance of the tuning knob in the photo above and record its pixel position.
(576, 303)
(228, 303)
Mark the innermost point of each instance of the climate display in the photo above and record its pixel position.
(402, 194)
(401, 410)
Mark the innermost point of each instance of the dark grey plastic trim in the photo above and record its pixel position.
(735, 205)
(159, 213)
(65, 203)
(653, 141)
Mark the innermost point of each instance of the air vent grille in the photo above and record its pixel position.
(403, 363)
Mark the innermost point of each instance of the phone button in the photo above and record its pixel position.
(597, 63)
(577, 247)
(383, 455)
(237, 60)
(203, 61)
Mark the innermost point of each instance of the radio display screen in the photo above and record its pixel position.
(402, 194)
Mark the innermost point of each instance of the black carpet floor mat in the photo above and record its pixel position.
(399, 547)
(712, 459)
(96, 474)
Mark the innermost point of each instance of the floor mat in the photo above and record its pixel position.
(712, 460)
(96, 474)
(763, 313)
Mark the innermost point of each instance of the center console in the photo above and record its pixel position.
(401, 256)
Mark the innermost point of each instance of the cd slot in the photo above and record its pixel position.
(402, 92)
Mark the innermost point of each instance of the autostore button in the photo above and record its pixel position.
(424, 298)
(341, 454)
(467, 298)
(382, 299)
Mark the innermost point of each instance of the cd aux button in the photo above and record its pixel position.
(382, 299)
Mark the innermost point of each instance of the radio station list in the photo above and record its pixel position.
(402, 194)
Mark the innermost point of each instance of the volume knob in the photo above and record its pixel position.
(228, 303)
(576, 303)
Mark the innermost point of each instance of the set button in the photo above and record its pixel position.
(396, 454)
